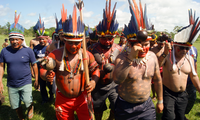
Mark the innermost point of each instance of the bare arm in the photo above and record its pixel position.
(158, 87)
(158, 82)
(1, 76)
(31, 44)
(35, 71)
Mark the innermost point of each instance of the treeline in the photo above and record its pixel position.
(4, 30)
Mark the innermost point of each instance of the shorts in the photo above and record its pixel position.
(174, 104)
(134, 111)
(69, 105)
(16, 95)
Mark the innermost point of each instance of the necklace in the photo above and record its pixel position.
(69, 68)
(179, 68)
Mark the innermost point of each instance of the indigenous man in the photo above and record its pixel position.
(158, 50)
(105, 53)
(58, 42)
(93, 38)
(70, 76)
(134, 71)
(122, 41)
(40, 51)
(153, 42)
(34, 41)
(5, 44)
(176, 71)
(18, 58)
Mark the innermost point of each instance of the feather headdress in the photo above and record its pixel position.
(40, 28)
(108, 26)
(138, 22)
(16, 30)
(189, 34)
(73, 28)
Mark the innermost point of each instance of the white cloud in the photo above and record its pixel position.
(4, 10)
(32, 14)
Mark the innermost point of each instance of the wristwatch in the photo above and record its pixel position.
(160, 101)
(163, 55)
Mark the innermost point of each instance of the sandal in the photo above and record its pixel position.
(30, 113)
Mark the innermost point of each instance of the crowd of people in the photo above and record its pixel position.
(84, 69)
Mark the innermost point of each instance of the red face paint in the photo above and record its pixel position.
(43, 40)
(15, 43)
(72, 47)
(143, 53)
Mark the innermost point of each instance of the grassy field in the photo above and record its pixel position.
(46, 111)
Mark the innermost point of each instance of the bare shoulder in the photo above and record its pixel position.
(152, 54)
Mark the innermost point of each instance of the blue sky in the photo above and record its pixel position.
(164, 14)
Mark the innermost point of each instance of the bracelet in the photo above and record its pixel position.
(160, 101)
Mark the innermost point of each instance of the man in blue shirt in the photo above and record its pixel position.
(18, 58)
(40, 51)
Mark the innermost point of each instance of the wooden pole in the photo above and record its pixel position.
(85, 64)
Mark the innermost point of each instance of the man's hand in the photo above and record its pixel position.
(36, 84)
(90, 86)
(1, 88)
(134, 51)
(159, 107)
(50, 76)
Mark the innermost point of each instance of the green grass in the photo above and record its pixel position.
(46, 112)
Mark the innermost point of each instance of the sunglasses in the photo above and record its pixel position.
(182, 48)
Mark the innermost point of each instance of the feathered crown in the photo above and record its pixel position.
(40, 28)
(108, 26)
(88, 31)
(58, 25)
(138, 22)
(189, 34)
(16, 30)
(73, 29)
(35, 28)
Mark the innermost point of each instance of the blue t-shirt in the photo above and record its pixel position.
(39, 52)
(18, 65)
(194, 55)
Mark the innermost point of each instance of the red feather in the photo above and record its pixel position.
(194, 32)
(16, 18)
(137, 14)
(141, 14)
(63, 13)
(106, 10)
(74, 19)
(113, 10)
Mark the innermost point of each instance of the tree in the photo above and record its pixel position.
(176, 29)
